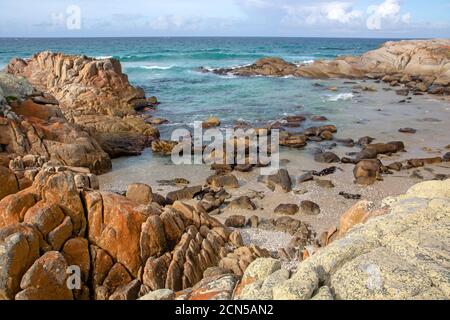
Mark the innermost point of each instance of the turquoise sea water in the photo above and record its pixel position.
(167, 68)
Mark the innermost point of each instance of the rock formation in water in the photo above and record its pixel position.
(94, 94)
(422, 65)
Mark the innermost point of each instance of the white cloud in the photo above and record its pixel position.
(387, 12)
(322, 13)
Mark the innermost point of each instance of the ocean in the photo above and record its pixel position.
(168, 69)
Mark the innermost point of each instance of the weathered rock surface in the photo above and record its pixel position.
(38, 129)
(422, 65)
(124, 249)
(398, 255)
(92, 93)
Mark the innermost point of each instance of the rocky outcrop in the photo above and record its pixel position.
(92, 93)
(31, 128)
(123, 247)
(397, 254)
(421, 65)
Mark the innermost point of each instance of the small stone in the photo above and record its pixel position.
(446, 157)
(396, 166)
(326, 157)
(305, 177)
(350, 196)
(328, 184)
(253, 222)
(287, 209)
(407, 130)
(235, 221)
(309, 208)
(243, 202)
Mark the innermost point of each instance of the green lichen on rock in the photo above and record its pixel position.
(401, 255)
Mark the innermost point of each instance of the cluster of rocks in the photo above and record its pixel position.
(420, 65)
(394, 253)
(94, 94)
(125, 247)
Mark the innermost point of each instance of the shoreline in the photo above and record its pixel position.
(347, 190)
(427, 142)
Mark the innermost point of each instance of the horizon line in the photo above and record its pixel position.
(159, 37)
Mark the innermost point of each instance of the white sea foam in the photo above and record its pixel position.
(156, 67)
(103, 57)
(340, 97)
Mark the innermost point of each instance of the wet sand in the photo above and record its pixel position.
(377, 114)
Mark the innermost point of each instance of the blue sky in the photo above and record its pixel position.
(322, 18)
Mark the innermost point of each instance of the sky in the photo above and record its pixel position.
(281, 18)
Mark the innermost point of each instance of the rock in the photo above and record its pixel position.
(56, 139)
(183, 194)
(218, 287)
(152, 100)
(45, 217)
(243, 202)
(280, 181)
(446, 157)
(235, 221)
(328, 184)
(157, 121)
(214, 272)
(407, 130)
(417, 163)
(292, 140)
(160, 295)
(326, 157)
(164, 147)
(155, 272)
(367, 172)
(152, 239)
(127, 292)
(76, 252)
(101, 264)
(309, 208)
(325, 172)
(396, 166)
(19, 245)
(46, 279)
(350, 196)
(60, 234)
(140, 193)
(112, 217)
(306, 177)
(108, 102)
(118, 276)
(211, 123)
(402, 92)
(224, 181)
(253, 222)
(326, 135)
(355, 215)
(364, 141)
(318, 118)
(235, 239)
(8, 181)
(287, 209)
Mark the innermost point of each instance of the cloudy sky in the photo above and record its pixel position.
(299, 18)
